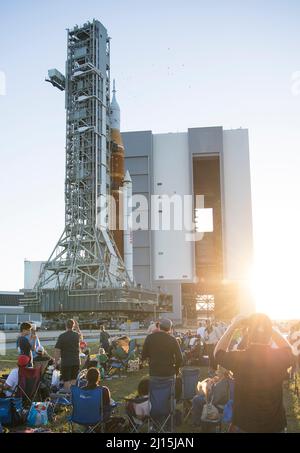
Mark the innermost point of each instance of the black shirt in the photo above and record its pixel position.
(259, 372)
(163, 352)
(68, 343)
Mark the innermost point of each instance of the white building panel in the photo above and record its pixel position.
(172, 253)
(32, 271)
(237, 212)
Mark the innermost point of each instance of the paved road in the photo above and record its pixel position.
(48, 338)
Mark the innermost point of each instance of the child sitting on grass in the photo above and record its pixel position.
(102, 359)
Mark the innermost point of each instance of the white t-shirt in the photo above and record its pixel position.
(219, 331)
(200, 331)
(212, 337)
(142, 410)
(12, 380)
(295, 342)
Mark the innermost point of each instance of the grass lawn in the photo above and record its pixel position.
(126, 387)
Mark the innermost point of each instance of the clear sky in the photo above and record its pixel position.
(177, 65)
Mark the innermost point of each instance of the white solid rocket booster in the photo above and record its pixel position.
(127, 222)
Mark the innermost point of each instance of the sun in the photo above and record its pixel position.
(274, 288)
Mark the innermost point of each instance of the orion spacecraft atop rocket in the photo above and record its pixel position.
(86, 270)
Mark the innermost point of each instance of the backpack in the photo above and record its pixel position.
(117, 425)
(227, 413)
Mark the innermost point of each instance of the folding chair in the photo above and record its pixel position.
(60, 401)
(87, 408)
(136, 423)
(116, 366)
(162, 404)
(29, 384)
(190, 379)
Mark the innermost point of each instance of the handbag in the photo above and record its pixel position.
(39, 414)
(209, 412)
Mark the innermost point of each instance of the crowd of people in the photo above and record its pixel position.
(248, 361)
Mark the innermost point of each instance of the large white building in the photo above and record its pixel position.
(209, 273)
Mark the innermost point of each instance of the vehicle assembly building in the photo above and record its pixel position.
(207, 276)
(180, 236)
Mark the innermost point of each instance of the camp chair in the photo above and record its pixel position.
(87, 408)
(60, 401)
(136, 423)
(162, 403)
(29, 384)
(190, 379)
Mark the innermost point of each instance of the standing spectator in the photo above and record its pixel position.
(104, 338)
(76, 328)
(294, 340)
(163, 351)
(154, 327)
(23, 343)
(34, 342)
(259, 372)
(67, 349)
(211, 338)
(201, 330)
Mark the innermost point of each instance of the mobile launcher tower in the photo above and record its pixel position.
(86, 271)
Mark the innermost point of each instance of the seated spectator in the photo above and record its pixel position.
(93, 381)
(218, 390)
(120, 348)
(8, 387)
(142, 409)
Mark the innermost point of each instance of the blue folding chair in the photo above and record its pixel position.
(190, 379)
(87, 408)
(162, 404)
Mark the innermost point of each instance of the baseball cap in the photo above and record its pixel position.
(23, 360)
(165, 324)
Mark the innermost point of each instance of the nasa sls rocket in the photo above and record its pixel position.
(128, 246)
(121, 189)
(117, 171)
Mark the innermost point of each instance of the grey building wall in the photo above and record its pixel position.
(205, 140)
(138, 160)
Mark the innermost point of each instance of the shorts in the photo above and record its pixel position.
(69, 373)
